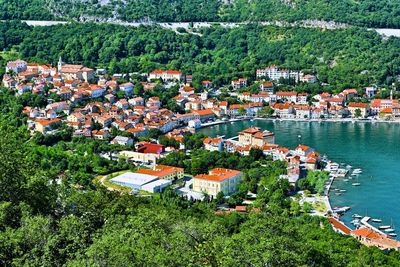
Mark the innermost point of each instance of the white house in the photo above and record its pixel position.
(127, 88)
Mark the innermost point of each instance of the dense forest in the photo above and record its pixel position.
(52, 213)
(371, 13)
(345, 58)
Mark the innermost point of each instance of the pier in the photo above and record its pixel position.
(364, 221)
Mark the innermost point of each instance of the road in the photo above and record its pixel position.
(187, 25)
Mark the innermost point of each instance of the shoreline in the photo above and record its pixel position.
(347, 120)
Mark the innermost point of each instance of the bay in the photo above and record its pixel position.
(372, 147)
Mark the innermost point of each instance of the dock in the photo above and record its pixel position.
(364, 221)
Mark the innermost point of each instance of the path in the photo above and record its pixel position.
(331, 25)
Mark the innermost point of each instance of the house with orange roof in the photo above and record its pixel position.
(100, 134)
(207, 84)
(217, 180)
(308, 78)
(193, 105)
(350, 93)
(363, 108)
(369, 237)
(95, 90)
(127, 88)
(204, 115)
(186, 91)
(267, 87)
(137, 131)
(239, 83)
(280, 153)
(283, 110)
(303, 150)
(45, 125)
(153, 101)
(255, 137)
(164, 172)
(339, 227)
(185, 118)
(378, 104)
(136, 101)
(72, 72)
(213, 144)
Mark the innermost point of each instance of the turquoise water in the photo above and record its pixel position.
(374, 148)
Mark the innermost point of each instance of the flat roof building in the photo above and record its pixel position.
(156, 186)
(133, 180)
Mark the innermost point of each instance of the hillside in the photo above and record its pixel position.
(361, 13)
(348, 58)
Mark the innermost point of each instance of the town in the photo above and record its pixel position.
(148, 126)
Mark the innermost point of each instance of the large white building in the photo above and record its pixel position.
(139, 181)
(166, 75)
(218, 180)
(274, 73)
(16, 66)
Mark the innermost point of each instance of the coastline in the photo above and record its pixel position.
(335, 120)
(329, 200)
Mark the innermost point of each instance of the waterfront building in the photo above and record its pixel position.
(377, 105)
(370, 238)
(217, 180)
(255, 137)
(363, 108)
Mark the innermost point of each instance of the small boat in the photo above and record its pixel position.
(382, 227)
(355, 221)
(376, 220)
(393, 234)
(355, 184)
(357, 171)
(348, 167)
(343, 190)
(356, 216)
(389, 230)
(299, 136)
(345, 180)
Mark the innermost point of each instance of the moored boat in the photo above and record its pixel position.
(355, 184)
(382, 227)
(389, 230)
(376, 220)
(356, 216)
(393, 234)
